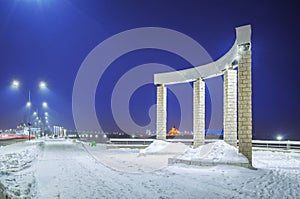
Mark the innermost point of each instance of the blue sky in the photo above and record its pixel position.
(49, 39)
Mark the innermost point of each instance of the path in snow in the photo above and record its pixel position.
(153, 158)
(67, 170)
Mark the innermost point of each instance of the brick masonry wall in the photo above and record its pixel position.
(230, 107)
(245, 104)
(199, 113)
(161, 112)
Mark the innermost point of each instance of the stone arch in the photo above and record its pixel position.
(237, 121)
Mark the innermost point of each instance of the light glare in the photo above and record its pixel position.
(15, 84)
(28, 104)
(43, 85)
(279, 137)
(45, 104)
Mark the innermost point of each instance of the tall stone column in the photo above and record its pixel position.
(161, 112)
(245, 104)
(199, 113)
(230, 107)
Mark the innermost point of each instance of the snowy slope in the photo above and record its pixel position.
(16, 173)
(218, 151)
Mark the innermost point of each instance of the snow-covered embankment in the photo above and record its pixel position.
(16, 173)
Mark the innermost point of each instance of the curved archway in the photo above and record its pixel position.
(237, 121)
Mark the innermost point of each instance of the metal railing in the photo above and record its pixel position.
(276, 144)
(255, 143)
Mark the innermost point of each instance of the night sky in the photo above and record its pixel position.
(49, 40)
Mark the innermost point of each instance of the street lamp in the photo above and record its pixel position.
(15, 84)
(279, 137)
(28, 104)
(45, 105)
(43, 85)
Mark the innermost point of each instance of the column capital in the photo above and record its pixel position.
(199, 79)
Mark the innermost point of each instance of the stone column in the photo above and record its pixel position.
(230, 107)
(245, 104)
(161, 112)
(199, 113)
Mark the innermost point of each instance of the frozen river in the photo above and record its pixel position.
(63, 169)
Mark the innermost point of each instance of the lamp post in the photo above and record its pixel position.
(40, 120)
(42, 86)
(29, 124)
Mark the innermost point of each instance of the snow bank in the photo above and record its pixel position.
(163, 147)
(217, 152)
(276, 159)
(16, 174)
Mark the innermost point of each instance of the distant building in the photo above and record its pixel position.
(173, 132)
(59, 131)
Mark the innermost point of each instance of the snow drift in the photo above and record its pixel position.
(16, 172)
(163, 147)
(217, 152)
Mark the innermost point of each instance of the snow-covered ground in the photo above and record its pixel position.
(66, 169)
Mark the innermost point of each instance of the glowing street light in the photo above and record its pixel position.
(45, 105)
(43, 85)
(28, 104)
(279, 137)
(15, 84)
